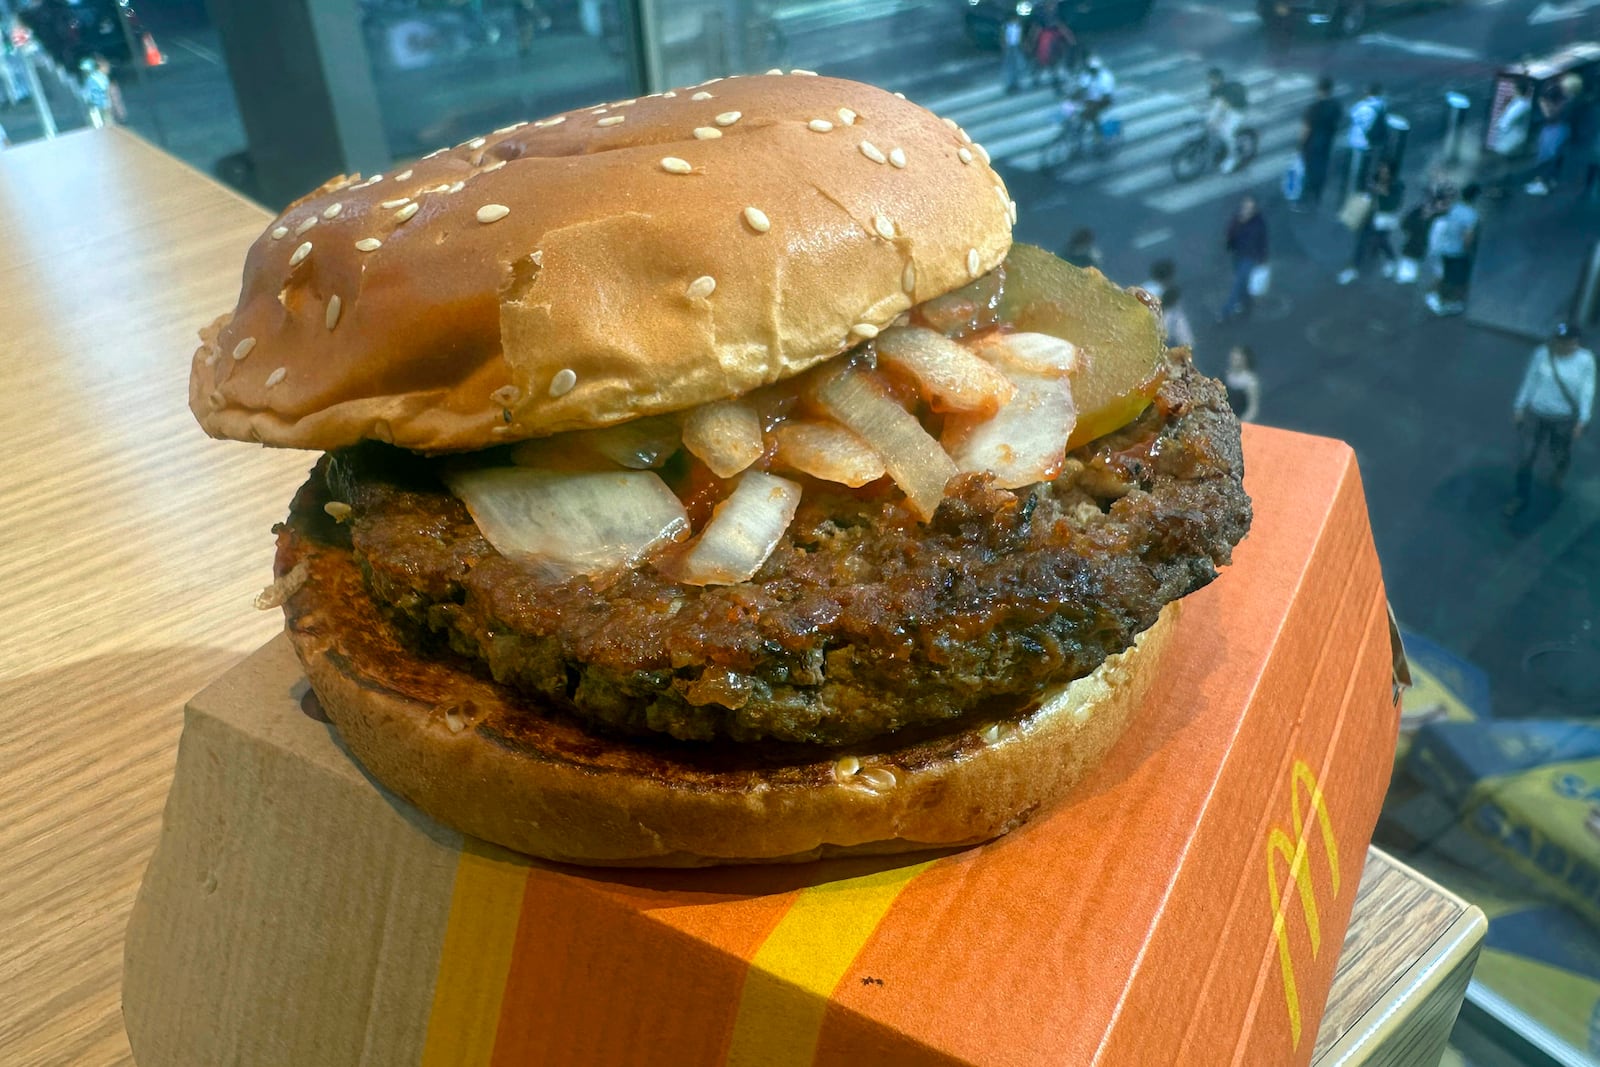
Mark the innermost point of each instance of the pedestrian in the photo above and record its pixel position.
(1180, 334)
(1452, 238)
(1366, 136)
(1246, 242)
(1244, 387)
(1318, 127)
(1415, 228)
(1162, 273)
(101, 96)
(1012, 60)
(1552, 408)
(1050, 53)
(1508, 135)
(1386, 193)
(530, 20)
(1551, 142)
(1081, 250)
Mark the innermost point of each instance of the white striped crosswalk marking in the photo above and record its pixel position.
(1160, 100)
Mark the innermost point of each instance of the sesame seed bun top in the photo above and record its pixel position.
(643, 256)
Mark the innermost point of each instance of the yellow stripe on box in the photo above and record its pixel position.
(797, 967)
(475, 959)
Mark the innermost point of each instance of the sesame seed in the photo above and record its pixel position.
(902, 96)
(706, 133)
(709, 81)
(406, 212)
(884, 227)
(403, 176)
(492, 213)
(702, 95)
(966, 138)
(612, 120)
(513, 126)
(337, 510)
(864, 329)
(897, 156)
(279, 232)
(506, 396)
(436, 152)
(477, 142)
(950, 123)
(701, 287)
(558, 120)
(804, 73)
(908, 277)
(775, 70)
(674, 165)
(757, 219)
(276, 376)
(563, 382)
(368, 244)
(299, 254)
(847, 116)
(496, 165)
(728, 118)
(457, 187)
(879, 778)
(244, 348)
(669, 95)
(332, 211)
(846, 767)
(820, 125)
(390, 205)
(972, 262)
(964, 155)
(305, 225)
(626, 103)
(332, 317)
(376, 178)
(1011, 210)
(871, 151)
(983, 153)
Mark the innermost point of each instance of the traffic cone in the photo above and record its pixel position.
(152, 54)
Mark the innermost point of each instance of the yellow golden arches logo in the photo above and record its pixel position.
(1294, 850)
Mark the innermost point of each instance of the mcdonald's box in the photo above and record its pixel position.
(1185, 905)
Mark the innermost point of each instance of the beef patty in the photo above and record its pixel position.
(862, 620)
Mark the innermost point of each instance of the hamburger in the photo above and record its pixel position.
(707, 478)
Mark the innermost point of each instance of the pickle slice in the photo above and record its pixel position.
(1123, 357)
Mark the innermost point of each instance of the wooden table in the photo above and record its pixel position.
(133, 545)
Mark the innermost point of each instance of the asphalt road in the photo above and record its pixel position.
(1424, 401)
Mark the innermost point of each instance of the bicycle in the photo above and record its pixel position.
(1204, 152)
(1078, 139)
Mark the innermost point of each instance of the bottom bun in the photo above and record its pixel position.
(476, 756)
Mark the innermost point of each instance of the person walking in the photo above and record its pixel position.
(1081, 250)
(1012, 61)
(1508, 135)
(1415, 227)
(1551, 409)
(1366, 136)
(1180, 333)
(1452, 238)
(1163, 272)
(1244, 387)
(1246, 242)
(1387, 192)
(1551, 143)
(1318, 127)
(101, 96)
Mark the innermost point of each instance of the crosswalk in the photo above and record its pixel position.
(1160, 99)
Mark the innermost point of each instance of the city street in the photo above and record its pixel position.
(1425, 402)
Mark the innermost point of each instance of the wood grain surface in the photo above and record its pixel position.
(133, 546)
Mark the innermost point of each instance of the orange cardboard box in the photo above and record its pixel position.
(1184, 907)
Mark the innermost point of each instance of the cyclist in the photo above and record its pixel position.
(1097, 86)
(1224, 113)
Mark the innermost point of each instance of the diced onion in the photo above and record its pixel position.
(948, 376)
(639, 444)
(726, 436)
(743, 531)
(1025, 441)
(912, 457)
(1037, 354)
(825, 450)
(570, 523)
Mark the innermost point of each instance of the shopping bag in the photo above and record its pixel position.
(1260, 279)
(1294, 178)
(1357, 206)
(1386, 221)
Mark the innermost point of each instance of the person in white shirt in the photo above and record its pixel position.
(1552, 408)
(1244, 386)
(1510, 129)
(1366, 135)
(1096, 87)
(1012, 61)
(1180, 333)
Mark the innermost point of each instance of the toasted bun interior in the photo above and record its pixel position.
(464, 751)
(643, 256)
